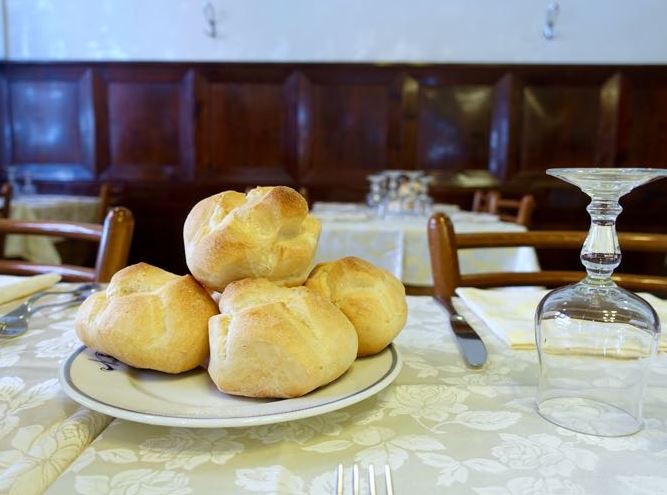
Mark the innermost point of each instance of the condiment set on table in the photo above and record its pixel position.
(400, 192)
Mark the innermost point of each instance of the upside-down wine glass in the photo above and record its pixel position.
(596, 340)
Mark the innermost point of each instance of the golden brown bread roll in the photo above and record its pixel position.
(267, 233)
(149, 318)
(372, 298)
(272, 341)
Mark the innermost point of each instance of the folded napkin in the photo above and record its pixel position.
(510, 313)
(22, 287)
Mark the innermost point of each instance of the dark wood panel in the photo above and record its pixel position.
(453, 129)
(149, 124)
(648, 129)
(346, 127)
(48, 123)
(249, 130)
(559, 127)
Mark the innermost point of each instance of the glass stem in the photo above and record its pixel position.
(601, 253)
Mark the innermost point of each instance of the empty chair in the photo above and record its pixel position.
(511, 210)
(480, 201)
(444, 245)
(113, 238)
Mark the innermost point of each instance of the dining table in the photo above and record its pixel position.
(399, 242)
(41, 249)
(441, 428)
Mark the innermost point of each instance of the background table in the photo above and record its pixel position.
(443, 428)
(399, 244)
(40, 249)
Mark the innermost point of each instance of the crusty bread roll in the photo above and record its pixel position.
(372, 298)
(272, 341)
(267, 233)
(149, 318)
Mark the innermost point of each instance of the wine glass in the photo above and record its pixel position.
(376, 193)
(596, 340)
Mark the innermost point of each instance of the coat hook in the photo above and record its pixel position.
(210, 17)
(552, 14)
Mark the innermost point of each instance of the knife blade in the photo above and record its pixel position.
(468, 341)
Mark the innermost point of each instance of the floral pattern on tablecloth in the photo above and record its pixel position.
(41, 431)
(441, 427)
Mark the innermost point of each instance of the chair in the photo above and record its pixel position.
(480, 201)
(113, 238)
(512, 210)
(444, 245)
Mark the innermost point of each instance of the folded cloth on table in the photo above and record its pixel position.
(22, 287)
(510, 313)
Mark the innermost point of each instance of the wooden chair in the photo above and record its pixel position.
(480, 201)
(113, 238)
(512, 210)
(444, 246)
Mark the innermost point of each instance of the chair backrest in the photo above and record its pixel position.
(480, 201)
(113, 238)
(512, 210)
(444, 245)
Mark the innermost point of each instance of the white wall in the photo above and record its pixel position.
(504, 31)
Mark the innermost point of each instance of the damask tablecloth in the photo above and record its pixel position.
(41, 430)
(443, 428)
(41, 249)
(400, 244)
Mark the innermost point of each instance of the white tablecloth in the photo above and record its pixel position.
(400, 244)
(41, 249)
(443, 428)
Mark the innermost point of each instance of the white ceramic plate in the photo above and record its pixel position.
(191, 399)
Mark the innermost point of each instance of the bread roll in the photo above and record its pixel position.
(267, 233)
(271, 341)
(372, 298)
(149, 318)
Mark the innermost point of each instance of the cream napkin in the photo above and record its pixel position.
(510, 313)
(25, 286)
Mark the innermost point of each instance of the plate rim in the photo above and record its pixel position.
(72, 391)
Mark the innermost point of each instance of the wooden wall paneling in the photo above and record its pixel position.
(559, 122)
(647, 139)
(454, 118)
(49, 121)
(504, 138)
(350, 130)
(406, 144)
(250, 125)
(613, 126)
(187, 124)
(5, 122)
(150, 119)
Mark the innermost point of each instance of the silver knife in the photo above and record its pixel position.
(468, 341)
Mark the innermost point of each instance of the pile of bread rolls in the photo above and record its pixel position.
(278, 330)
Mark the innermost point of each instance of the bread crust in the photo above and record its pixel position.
(271, 341)
(371, 297)
(149, 318)
(267, 233)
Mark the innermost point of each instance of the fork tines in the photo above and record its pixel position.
(371, 480)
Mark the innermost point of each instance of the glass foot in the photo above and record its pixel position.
(589, 416)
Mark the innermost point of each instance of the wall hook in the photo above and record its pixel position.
(211, 20)
(552, 14)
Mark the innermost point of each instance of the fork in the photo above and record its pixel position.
(15, 322)
(389, 486)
